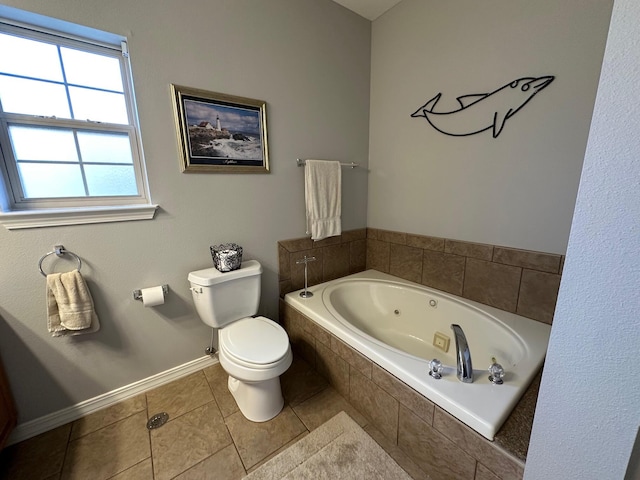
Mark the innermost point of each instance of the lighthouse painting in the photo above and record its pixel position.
(220, 133)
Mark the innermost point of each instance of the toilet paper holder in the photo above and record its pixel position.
(137, 294)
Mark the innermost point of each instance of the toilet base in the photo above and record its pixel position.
(258, 401)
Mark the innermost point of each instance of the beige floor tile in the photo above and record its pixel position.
(255, 441)
(107, 416)
(218, 378)
(483, 473)
(323, 406)
(224, 465)
(187, 440)
(39, 457)
(180, 396)
(140, 471)
(108, 451)
(196, 443)
(280, 450)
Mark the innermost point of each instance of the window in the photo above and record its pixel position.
(69, 140)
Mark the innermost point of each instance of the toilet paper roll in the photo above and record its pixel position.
(152, 296)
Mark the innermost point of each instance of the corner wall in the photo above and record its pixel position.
(588, 409)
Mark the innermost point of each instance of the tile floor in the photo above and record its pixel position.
(206, 436)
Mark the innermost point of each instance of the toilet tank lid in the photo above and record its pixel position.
(212, 276)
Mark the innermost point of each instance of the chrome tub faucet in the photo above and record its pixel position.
(463, 355)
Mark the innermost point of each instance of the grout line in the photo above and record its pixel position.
(400, 404)
(237, 451)
(146, 408)
(66, 450)
(130, 467)
(515, 310)
(464, 277)
(112, 422)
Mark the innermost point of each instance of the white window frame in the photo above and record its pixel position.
(19, 212)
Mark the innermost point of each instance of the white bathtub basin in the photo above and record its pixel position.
(393, 322)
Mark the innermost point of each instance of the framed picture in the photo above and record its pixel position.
(220, 133)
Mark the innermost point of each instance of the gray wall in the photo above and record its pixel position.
(519, 189)
(310, 61)
(588, 410)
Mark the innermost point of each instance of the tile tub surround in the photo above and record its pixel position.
(518, 281)
(436, 441)
(335, 257)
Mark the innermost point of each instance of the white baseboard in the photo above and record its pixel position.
(56, 419)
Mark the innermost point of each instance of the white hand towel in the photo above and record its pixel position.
(323, 200)
(69, 305)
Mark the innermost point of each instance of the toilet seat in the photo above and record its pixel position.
(254, 342)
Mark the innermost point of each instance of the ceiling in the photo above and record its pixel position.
(370, 9)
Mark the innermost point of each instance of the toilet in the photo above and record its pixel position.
(254, 351)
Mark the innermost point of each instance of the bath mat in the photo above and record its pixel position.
(338, 450)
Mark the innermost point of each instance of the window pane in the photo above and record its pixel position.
(55, 91)
(43, 180)
(104, 147)
(111, 180)
(98, 106)
(92, 70)
(44, 144)
(29, 58)
(32, 97)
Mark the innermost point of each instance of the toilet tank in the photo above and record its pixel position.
(221, 298)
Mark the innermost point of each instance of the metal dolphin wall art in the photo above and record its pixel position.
(485, 111)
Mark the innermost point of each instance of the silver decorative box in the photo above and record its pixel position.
(227, 256)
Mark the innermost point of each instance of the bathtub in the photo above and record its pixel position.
(394, 323)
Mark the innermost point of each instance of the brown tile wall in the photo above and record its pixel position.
(441, 445)
(335, 257)
(518, 281)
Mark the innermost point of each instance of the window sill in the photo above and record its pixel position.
(75, 216)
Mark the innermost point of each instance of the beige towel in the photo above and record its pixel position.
(69, 305)
(323, 198)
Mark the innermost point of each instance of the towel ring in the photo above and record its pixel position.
(58, 250)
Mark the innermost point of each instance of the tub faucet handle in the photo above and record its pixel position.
(496, 372)
(435, 368)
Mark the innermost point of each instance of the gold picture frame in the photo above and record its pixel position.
(219, 132)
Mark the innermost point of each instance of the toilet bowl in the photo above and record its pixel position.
(254, 351)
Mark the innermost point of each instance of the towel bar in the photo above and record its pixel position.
(59, 251)
(301, 163)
